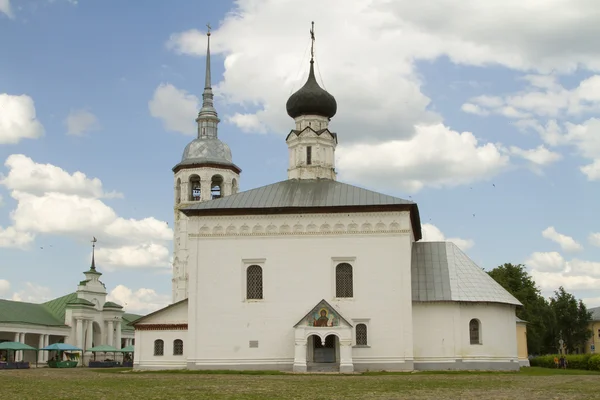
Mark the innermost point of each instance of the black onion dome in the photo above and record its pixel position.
(311, 99)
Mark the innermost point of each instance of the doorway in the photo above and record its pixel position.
(324, 352)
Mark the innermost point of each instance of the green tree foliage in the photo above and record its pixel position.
(572, 319)
(548, 321)
(535, 310)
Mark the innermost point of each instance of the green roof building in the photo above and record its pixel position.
(83, 318)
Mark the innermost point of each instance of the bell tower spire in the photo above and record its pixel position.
(207, 117)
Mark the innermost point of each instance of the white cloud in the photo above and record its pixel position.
(546, 262)
(436, 156)
(176, 108)
(567, 243)
(6, 9)
(592, 171)
(17, 119)
(4, 287)
(11, 237)
(432, 233)
(141, 301)
(135, 256)
(539, 156)
(28, 176)
(51, 200)
(248, 123)
(550, 271)
(81, 121)
(33, 293)
(594, 239)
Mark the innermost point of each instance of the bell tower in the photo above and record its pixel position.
(311, 145)
(206, 172)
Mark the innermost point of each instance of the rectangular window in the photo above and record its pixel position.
(308, 155)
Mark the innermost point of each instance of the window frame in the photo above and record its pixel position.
(335, 261)
(162, 348)
(479, 340)
(308, 155)
(246, 263)
(175, 342)
(343, 289)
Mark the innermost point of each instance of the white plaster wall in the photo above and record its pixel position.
(441, 332)
(144, 357)
(179, 280)
(176, 314)
(298, 272)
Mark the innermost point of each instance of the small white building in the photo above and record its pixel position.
(314, 274)
(83, 319)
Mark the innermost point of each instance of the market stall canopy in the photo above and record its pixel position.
(104, 348)
(61, 347)
(127, 349)
(16, 346)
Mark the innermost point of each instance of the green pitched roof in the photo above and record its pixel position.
(79, 301)
(28, 313)
(52, 313)
(110, 304)
(58, 306)
(129, 319)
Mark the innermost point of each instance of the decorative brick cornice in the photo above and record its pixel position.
(161, 327)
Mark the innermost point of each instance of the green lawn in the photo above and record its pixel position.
(84, 383)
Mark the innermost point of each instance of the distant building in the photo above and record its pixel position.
(83, 318)
(594, 341)
(522, 351)
(314, 274)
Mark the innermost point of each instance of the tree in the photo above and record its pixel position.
(536, 310)
(572, 319)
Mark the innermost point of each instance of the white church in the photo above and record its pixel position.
(312, 274)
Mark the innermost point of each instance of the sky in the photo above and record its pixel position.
(487, 114)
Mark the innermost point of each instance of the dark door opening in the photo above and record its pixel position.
(324, 353)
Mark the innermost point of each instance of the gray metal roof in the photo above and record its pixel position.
(300, 193)
(595, 313)
(442, 272)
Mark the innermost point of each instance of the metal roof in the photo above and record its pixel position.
(27, 313)
(442, 272)
(595, 313)
(300, 193)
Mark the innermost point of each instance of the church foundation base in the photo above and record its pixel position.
(461, 365)
(383, 366)
(284, 367)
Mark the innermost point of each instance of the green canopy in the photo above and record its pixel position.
(16, 346)
(127, 349)
(104, 348)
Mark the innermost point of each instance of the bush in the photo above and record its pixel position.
(574, 361)
(594, 363)
(543, 361)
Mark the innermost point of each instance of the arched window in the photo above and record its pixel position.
(178, 347)
(195, 188)
(308, 155)
(234, 186)
(159, 347)
(216, 186)
(254, 282)
(361, 335)
(343, 280)
(475, 331)
(178, 191)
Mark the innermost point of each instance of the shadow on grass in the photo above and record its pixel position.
(528, 371)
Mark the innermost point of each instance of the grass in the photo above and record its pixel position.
(530, 383)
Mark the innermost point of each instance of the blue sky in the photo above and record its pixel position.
(410, 82)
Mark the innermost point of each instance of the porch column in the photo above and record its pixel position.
(110, 334)
(40, 345)
(90, 335)
(17, 339)
(118, 340)
(79, 333)
(346, 364)
(46, 343)
(300, 356)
